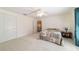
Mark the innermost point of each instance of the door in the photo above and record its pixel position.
(2, 28)
(39, 25)
(7, 27)
(10, 27)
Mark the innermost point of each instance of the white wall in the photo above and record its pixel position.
(24, 26)
(56, 21)
(70, 20)
(60, 21)
(13, 25)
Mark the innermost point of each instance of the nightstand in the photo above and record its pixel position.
(67, 34)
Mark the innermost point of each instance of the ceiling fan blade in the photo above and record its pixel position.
(33, 12)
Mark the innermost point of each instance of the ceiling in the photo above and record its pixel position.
(31, 11)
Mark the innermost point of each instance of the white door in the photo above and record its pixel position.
(2, 28)
(10, 27)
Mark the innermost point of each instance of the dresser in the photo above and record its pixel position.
(67, 34)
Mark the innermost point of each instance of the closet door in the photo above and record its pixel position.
(77, 26)
(10, 27)
(2, 28)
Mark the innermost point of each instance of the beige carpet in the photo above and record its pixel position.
(32, 43)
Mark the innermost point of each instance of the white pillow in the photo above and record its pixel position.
(44, 33)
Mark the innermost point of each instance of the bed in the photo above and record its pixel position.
(51, 35)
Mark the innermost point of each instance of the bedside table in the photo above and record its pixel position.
(67, 34)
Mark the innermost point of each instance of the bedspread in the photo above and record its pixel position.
(51, 36)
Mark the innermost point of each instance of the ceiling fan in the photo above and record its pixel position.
(41, 13)
(38, 13)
